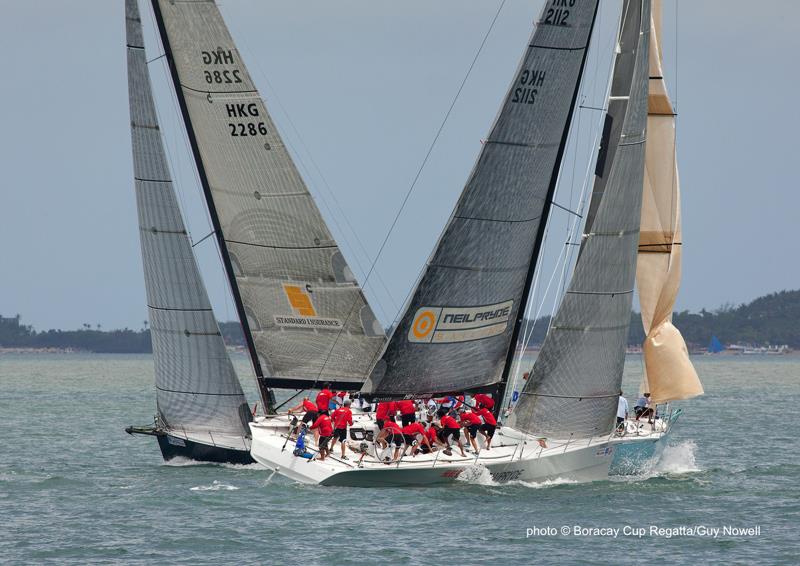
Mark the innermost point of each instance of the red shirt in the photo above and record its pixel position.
(342, 417)
(309, 407)
(413, 429)
(431, 434)
(484, 400)
(323, 423)
(406, 407)
(487, 415)
(392, 425)
(470, 418)
(385, 408)
(324, 399)
(459, 402)
(449, 422)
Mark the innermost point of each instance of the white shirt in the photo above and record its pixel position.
(622, 407)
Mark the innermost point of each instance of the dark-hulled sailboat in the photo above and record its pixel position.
(304, 316)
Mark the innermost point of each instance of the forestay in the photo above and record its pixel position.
(669, 374)
(196, 386)
(302, 309)
(575, 383)
(460, 323)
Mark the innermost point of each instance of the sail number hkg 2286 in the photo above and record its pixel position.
(244, 129)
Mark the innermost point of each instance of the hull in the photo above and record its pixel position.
(174, 447)
(513, 457)
(641, 447)
(219, 448)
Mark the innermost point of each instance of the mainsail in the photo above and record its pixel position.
(196, 386)
(303, 313)
(459, 329)
(575, 383)
(669, 374)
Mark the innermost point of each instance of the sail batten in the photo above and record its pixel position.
(573, 388)
(196, 385)
(302, 310)
(461, 322)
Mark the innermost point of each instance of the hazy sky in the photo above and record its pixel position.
(358, 88)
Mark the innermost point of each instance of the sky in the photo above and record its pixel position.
(358, 89)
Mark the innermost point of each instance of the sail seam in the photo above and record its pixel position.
(569, 396)
(198, 392)
(558, 48)
(129, 46)
(640, 142)
(143, 180)
(155, 230)
(612, 293)
(176, 309)
(521, 144)
(281, 247)
(590, 328)
(146, 126)
(480, 269)
(497, 219)
(207, 91)
(617, 234)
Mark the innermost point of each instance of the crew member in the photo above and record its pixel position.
(408, 411)
(622, 410)
(451, 428)
(310, 409)
(642, 407)
(341, 417)
(471, 423)
(488, 427)
(385, 410)
(391, 433)
(432, 434)
(324, 400)
(445, 404)
(410, 432)
(483, 400)
(324, 428)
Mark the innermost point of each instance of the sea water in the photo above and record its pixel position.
(75, 488)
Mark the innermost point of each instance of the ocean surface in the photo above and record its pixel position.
(75, 488)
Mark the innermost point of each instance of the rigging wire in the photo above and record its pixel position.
(416, 178)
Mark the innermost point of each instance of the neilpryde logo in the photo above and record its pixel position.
(441, 325)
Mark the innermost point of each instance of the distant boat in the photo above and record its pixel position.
(715, 347)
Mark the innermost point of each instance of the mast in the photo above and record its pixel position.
(551, 191)
(267, 395)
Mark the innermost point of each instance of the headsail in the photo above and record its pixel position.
(303, 312)
(575, 383)
(462, 320)
(669, 374)
(196, 385)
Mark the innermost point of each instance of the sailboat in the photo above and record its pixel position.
(715, 346)
(460, 329)
(304, 316)
(669, 374)
(202, 413)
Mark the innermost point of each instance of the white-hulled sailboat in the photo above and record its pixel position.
(668, 372)
(460, 328)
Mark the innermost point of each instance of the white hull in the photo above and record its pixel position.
(513, 457)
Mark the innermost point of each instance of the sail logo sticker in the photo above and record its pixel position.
(304, 313)
(442, 325)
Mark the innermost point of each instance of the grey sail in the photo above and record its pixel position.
(196, 386)
(575, 383)
(459, 328)
(304, 315)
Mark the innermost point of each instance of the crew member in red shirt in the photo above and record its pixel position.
(408, 411)
(341, 417)
(310, 409)
(489, 425)
(385, 410)
(325, 428)
(471, 422)
(432, 434)
(410, 432)
(450, 428)
(391, 433)
(324, 400)
(483, 400)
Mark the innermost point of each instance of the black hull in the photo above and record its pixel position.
(173, 447)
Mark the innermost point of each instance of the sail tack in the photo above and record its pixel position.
(457, 329)
(196, 385)
(669, 374)
(301, 306)
(575, 383)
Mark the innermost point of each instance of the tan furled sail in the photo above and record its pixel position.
(669, 374)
